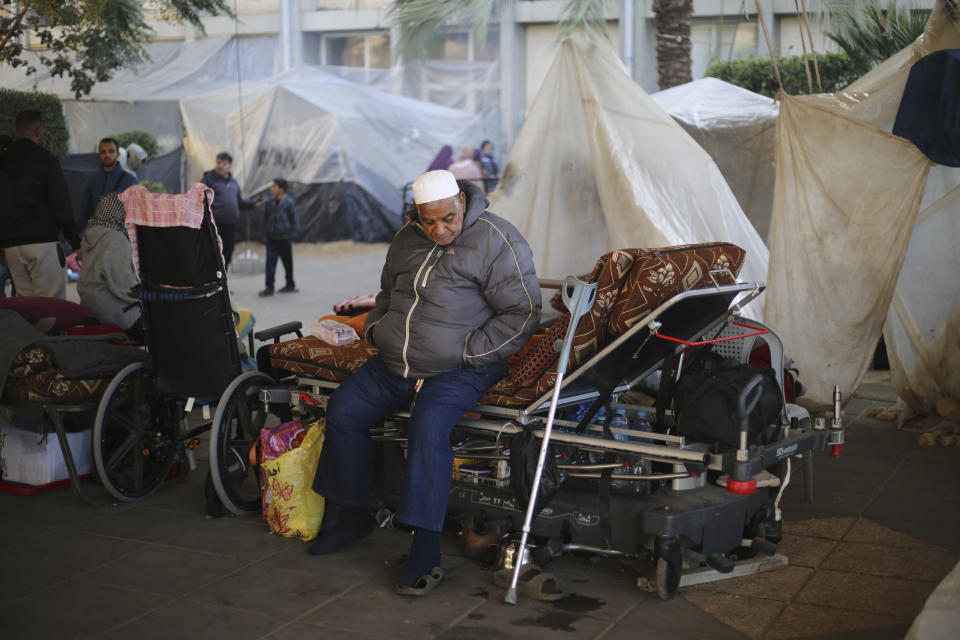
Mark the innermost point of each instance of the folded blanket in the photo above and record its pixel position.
(76, 356)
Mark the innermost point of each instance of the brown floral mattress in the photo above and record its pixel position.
(34, 377)
(630, 283)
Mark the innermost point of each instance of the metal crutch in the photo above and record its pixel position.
(579, 302)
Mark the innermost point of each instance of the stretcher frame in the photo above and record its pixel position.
(690, 519)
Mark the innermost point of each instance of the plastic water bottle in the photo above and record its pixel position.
(620, 421)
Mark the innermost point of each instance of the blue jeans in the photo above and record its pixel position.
(279, 249)
(369, 395)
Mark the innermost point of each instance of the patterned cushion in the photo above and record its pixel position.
(630, 283)
(663, 273)
(537, 372)
(31, 360)
(53, 385)
(311, 356)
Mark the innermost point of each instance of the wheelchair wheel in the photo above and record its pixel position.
(134, 436)
(236, 427)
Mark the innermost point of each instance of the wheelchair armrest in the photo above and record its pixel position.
(274, 333)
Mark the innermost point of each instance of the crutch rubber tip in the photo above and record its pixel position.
(511, 596)
(835, 450)
(742, 487)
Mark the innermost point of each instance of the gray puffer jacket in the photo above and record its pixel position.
(472, 303)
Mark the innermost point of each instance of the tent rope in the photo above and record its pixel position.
(806, 21)
(766, 36)
(243, 146)
(803, 45)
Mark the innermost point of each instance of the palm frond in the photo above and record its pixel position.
(423, 22)
(587, 15)
(870, 34)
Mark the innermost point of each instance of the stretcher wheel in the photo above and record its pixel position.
(134, 436)
(668, 580)
(236, 427)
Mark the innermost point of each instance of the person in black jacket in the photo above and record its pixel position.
(280, 226)
(35, 209)
(227, 202)
(112, 178)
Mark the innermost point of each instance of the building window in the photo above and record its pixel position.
(461, 45)
(356, 50)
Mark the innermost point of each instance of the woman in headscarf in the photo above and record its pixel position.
(108, 273)
(443, 159)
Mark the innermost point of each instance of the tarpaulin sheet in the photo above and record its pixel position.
(846, 198)
(737, 128)
(923, 321)
(598, 165)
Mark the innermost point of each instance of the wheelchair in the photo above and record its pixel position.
(692, 504)
(141, 429)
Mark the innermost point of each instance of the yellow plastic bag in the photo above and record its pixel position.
(295, 509)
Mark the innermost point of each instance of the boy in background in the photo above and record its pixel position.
(280, 226)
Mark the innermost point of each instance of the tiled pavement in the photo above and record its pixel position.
(863, 557)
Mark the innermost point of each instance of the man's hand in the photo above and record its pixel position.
(258, 201)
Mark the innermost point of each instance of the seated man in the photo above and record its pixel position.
(458, 297)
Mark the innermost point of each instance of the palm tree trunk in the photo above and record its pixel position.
(672, 21)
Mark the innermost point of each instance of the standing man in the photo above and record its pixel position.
(491, 173)
(458, 296)
(227, 202)
(112, 177)
(34, 210)
(280, 226)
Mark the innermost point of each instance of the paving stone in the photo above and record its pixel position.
(225, 536)
(374, 608)
(917, 564)
(750, 616)
(266, 587)
(893, 632)
(922, 477)
(830, 528)
(188, 619)
(28, 574)
(308, 630)
(805, 551)
(864, 530)
(925, 509)
(678, 618)
(76, 608)
(896, 597)
(76, 551)
(807, 621)
(781, 584)
(169, 571)
(497, 619)
(945, 455)
(942, 534)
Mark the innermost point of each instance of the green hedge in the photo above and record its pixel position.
(142, 138)
(756, 73)
(56, 140)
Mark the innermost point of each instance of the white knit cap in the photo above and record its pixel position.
(434, 185)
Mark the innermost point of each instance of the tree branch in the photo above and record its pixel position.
(16, 24)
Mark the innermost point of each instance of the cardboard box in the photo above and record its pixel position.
(29, 458)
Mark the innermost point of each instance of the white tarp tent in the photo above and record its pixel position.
(597, 165)
(311, 127)
(848, 195)
(308, 125)
(737, 128)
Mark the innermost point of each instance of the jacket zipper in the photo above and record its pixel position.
(406, 324)
(427, 274)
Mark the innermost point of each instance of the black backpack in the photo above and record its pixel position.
(705, 406)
